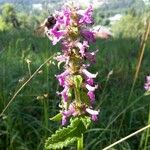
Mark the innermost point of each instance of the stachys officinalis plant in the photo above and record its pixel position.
(71, 27)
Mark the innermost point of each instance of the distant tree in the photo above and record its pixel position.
(129, 26)
(9, 15)
(3, 25)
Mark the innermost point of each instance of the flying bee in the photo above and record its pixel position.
(47, 24)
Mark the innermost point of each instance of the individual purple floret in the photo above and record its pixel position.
(85, 16)
(91, 96)
(88, 35)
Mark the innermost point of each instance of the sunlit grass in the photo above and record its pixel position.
(25, 123)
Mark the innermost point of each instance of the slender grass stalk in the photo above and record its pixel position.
(138, 66)
(123, 111)
(145, 136)
(147, 133)
(80, 143)
(45, 107)
(17, 92)
(127, 137)
(103, 93)
(142, 50)
(29, 68)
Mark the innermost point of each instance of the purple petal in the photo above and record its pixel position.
(64, 74)
(91, 111)
(56, 34)
(61, 78)
(91, 96)
(86, 15)
(70, 111)
(83, 47)
(60, 19)
(90, 81)
(147, 84)
(94, 117)
(64, 94)
(64, 16)
(88, 74)
(91, 88)
(148, 79)
(64, 120)
(61, 58)
(91, 56)
(67, 113)
(88, 35)
(67, 14)
(94, 114)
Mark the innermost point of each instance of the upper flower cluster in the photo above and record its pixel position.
(72, 29)
(70, 24)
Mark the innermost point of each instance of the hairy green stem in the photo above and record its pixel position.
(77, 96)
(80, 143)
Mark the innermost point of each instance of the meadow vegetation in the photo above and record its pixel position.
(25, 124)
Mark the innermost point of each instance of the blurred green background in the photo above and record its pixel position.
(25, 124)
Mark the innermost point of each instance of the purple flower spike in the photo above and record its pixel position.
(72, 29)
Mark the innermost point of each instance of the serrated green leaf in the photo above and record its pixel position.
(86, 121)
(67, 135)
(63, 136)
(57, 117)
(78, 81)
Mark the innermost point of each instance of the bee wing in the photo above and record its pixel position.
(48, 35)
(40, 31)
(103, 33)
